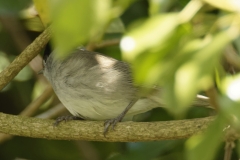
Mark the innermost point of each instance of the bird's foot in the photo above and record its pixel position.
(65, 118)
(111, 122)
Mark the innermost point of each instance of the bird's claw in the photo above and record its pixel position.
(65, 118)
(111, 122)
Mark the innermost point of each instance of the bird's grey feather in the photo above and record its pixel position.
(97, 87)
(93, 86)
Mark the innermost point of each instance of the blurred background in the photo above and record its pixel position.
(188, 47)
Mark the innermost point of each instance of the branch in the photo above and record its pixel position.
(106, 43)
(93, 130)
(231, 56)
(33, 106)
(24, 58)
(53, 112)
(231, 135)
(50, 113)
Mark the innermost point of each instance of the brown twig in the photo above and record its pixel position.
(34, 105)
(16, 31)
(228, 150)
(93, 130)
(106, 43)
(231, 134)
(24, 58)
(31, 109)
(21, 40)
(51, 113)
(232, 57)
(88, 151)
(212, 94)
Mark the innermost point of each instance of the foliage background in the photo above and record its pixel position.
(162, 57)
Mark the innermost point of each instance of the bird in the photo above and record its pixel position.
(93, 86)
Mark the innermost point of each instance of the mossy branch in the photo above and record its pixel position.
(93, 130)
(24, 58)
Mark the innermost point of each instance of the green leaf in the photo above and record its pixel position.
(196, 73)
(155, 31)
(76, 22)
(156, 7)
(205, 146)
(150, 66)
(232, 6)
(184, 67)
(43, 8)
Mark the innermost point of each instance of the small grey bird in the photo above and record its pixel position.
(96, 87)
